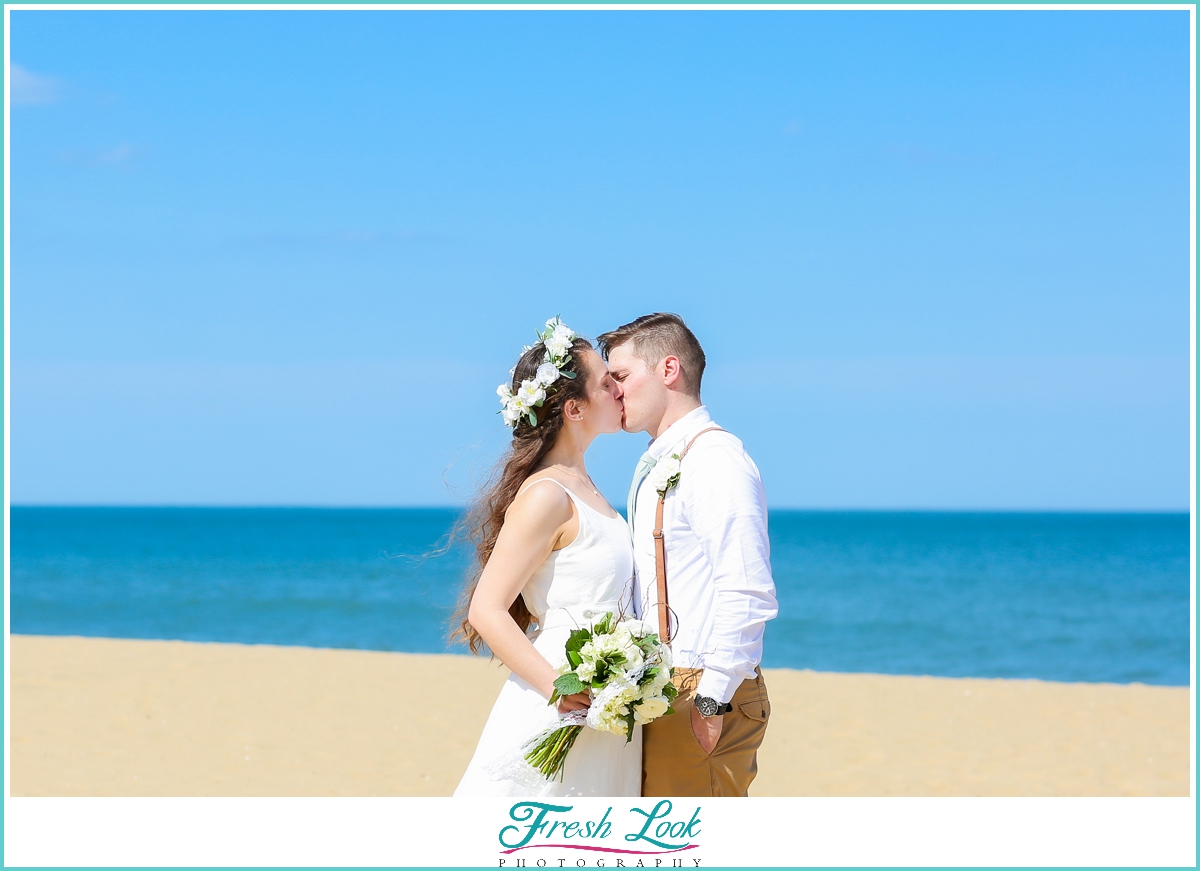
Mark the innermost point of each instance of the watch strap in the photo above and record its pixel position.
(719, 708)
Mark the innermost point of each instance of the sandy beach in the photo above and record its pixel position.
(109, 717)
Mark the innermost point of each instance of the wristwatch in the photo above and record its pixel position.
(711, 707)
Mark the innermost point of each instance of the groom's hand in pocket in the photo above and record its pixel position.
(578, 702)
(707, 731)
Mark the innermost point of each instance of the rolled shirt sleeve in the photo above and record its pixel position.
(726, 507)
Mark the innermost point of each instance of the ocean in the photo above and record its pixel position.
(1056, 596)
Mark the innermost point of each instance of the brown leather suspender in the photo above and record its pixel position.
(660, 549)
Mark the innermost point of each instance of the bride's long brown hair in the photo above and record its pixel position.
(529, 446)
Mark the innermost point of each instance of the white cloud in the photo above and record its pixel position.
(352, 239)
(30, 89)
(121, 153)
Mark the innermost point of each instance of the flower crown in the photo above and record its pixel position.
(557, 338)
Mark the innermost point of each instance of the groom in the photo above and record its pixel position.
(716, 563)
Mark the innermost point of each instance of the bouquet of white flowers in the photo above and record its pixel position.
(628, 672)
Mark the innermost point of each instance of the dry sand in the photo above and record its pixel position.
(106, 717)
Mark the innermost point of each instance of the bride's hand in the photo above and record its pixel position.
(578, 702)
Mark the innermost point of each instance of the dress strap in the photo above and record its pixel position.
(540, 480)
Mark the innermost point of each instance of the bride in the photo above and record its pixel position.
(550, 552)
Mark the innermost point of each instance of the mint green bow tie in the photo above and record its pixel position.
(644, 466)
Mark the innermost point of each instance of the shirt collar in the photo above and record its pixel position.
(678, 432)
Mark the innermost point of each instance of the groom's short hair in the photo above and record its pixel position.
(659, 335)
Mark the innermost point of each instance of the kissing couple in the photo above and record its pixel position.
(690, 570)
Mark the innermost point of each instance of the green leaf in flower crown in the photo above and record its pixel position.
(568, 684)
(532, 418)
(565, 374)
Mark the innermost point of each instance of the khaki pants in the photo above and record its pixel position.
(674, 763)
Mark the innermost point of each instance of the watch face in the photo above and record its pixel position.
(707, 706)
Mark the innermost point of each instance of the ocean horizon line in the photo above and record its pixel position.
(799, 509)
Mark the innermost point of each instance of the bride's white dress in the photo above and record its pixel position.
(589, 576)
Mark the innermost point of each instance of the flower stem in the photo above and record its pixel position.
(550, 756)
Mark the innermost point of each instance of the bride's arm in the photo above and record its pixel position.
(532, 526)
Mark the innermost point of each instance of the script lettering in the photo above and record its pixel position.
(525, 810)
(660, 812)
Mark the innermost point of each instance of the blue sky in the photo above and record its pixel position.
(936, 259)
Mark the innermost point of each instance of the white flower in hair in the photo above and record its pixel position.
(508, 405)
(557, 339)
(531, 393)
(558, 343)
(665, 474)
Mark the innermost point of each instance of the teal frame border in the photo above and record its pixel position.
(1032, 5)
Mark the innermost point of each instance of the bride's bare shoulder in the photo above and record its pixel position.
(538, 504)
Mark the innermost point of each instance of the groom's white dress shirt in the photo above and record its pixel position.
(718, 556)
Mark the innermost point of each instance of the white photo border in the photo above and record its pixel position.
(755, 832)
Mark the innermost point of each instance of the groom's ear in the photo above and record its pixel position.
(672, 371)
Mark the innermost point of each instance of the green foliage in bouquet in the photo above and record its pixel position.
(628, 676)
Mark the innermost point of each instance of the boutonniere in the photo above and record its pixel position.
(665, 474)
